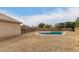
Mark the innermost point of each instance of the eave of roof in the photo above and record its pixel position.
(5, 18)
(11, 22)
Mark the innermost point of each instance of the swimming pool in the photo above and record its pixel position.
(51, 33)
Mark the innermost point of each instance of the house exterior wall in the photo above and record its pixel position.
(9, 29)
(77, 30)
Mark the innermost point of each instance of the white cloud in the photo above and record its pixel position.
(60, 15)
(52, 17)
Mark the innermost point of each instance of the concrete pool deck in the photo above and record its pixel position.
(30, 42)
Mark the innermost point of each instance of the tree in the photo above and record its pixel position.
(65, 25)
(47, 26)
(73, 25)
(41, 25)
(77, 22)
(68, 24)
(59, 25)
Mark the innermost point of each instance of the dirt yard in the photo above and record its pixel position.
(30, 42)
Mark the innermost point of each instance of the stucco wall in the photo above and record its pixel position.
(9, 29)
(77, 30)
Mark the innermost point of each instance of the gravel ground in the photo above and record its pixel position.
(30, 42)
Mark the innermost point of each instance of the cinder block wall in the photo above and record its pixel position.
(9, 29)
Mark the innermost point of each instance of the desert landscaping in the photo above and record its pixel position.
(30, 42)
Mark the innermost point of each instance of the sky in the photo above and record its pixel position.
(32, 16)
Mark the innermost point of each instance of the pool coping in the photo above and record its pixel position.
(49, 35)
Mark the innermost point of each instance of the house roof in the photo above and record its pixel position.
(5, 18)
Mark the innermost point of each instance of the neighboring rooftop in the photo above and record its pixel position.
(6, 18)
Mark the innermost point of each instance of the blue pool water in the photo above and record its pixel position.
(52, 33)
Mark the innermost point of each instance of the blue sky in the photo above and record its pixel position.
(32, 16)
(30, 10)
